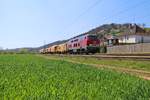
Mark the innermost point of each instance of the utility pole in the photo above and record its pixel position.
(44, 47)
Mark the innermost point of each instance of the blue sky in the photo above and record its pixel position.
(28, 23)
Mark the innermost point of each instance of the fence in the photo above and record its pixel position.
(133, 48)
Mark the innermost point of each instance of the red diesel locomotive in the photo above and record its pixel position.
(87, 43)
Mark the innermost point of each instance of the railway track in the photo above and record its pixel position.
(114, 56)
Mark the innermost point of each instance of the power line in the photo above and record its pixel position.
(83, 13)
(125, 10)
(106, 18)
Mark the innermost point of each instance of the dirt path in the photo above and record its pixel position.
(139, 73)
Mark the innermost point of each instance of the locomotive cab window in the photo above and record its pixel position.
(92, 37)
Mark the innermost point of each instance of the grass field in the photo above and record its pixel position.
(32, 77)
(133, 64)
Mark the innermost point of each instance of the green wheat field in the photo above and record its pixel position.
(30, 77)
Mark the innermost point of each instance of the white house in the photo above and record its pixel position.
(134, 38)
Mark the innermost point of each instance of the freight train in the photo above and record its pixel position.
(87, 43)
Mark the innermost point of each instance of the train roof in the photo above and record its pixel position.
(81, 35)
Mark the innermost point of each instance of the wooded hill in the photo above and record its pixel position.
(101, 31)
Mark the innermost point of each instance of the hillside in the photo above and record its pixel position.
(30, 49)
(25, 49)
(51, 44)
(101, 31)
(116, 29)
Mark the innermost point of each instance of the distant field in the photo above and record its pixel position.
(33, 77)
(134, 64)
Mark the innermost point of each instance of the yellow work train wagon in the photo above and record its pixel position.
(54, 49)
(62, 48)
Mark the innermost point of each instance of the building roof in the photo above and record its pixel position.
(81, 35)
(135, 30)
